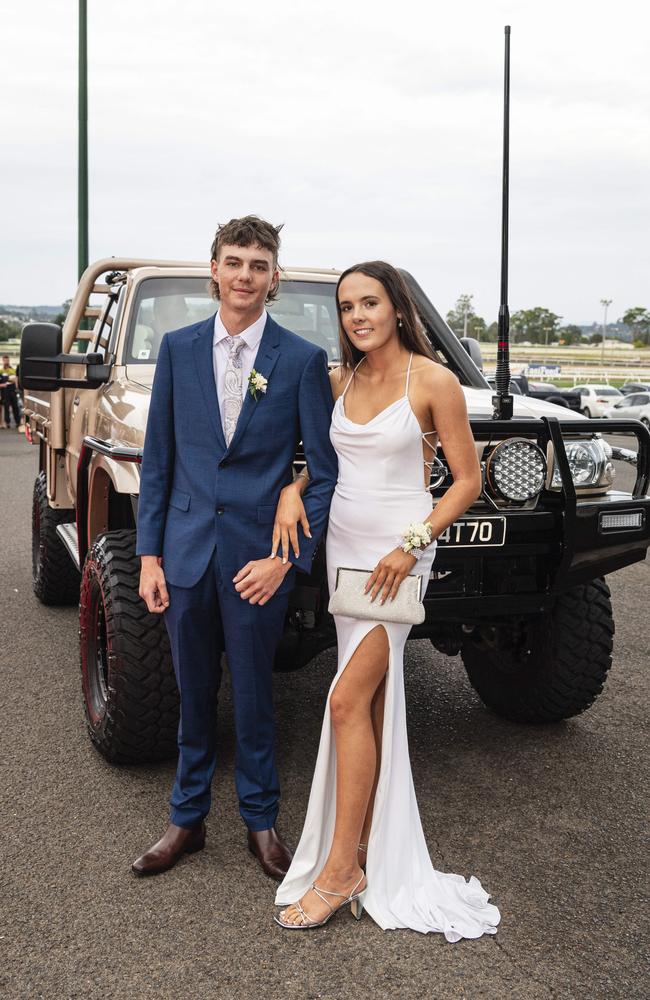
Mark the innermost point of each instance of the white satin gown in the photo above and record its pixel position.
(380, 490)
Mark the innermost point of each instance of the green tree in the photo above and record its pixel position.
(570, 334)
(539, 325)
(638, 320)
(463, 318)
(10, 329)
(65, 308)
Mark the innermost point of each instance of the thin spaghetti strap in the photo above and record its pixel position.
(408, 375)
(351, 377)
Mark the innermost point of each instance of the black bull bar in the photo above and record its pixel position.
(552, 548)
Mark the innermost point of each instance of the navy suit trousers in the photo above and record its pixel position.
(202, 622)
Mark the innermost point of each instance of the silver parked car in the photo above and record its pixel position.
(635, 405)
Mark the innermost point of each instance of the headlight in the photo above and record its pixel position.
(516, 469)
(589, 464)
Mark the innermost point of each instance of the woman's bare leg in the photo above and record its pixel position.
(351, 705)
(377, 713)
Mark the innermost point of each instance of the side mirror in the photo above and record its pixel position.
(39, 342)
(473, 348)
(41, 361)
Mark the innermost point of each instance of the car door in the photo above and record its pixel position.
(622, 409)
(633, 404)
(643, 409)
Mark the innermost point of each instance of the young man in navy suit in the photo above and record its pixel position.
(231, 399)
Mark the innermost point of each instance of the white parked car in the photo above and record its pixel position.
(636, 405)
(596, 399)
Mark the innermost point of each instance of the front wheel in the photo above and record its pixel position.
(586, 411)
(550, 668)
(129, 688)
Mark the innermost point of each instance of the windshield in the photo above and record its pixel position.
(162, 304)
(607, 392)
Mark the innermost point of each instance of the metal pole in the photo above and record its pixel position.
(604, 303)
(82, 201)
(502, 402)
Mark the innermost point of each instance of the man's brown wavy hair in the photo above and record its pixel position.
(248, 231)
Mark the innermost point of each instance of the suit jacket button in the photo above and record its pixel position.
(220, 510)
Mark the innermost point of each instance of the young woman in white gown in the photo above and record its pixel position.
(362, 841)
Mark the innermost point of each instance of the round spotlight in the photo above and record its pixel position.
(516, 469)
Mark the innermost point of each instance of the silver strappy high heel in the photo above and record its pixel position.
(354, 898)
(364, 849)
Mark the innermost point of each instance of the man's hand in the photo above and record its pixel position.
(258, 580)
(290, 512)
(153, 589)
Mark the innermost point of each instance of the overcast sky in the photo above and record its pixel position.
(370, 129)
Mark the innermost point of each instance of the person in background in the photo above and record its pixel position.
(9, 394)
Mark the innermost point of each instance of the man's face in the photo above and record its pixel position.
(245, 276)
(5, 361)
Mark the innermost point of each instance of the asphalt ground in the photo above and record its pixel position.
(552, 820)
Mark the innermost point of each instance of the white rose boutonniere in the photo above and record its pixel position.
(256, 383)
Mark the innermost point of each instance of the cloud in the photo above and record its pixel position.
(370, 129)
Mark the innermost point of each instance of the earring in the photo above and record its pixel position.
(399, 323)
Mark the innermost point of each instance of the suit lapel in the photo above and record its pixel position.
(267, 355)
(202, 348)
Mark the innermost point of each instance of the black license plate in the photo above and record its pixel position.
(470, 532)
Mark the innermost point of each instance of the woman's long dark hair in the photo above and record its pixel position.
(410, 333)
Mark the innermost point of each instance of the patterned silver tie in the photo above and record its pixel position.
(233, 397)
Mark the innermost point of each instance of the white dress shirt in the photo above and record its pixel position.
(221, 348)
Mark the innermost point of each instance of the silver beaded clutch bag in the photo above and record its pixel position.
(349, 599)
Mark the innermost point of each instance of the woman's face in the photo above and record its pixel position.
(367, 314)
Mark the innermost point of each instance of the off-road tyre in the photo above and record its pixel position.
(129, 688)
(558, 400)
(55, 578)
(550, 669)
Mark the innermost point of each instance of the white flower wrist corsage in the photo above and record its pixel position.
(256, 383)
(415, 539)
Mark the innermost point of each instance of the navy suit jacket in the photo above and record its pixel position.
(197, 494)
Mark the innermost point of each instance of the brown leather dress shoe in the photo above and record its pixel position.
(272, 853)
(174, 843)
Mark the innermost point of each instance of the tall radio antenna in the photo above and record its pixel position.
(502, 401)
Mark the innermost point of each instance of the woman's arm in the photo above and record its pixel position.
(449, 416)
(289, 513)
(319, 474)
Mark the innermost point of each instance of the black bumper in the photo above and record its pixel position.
(559, 545)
